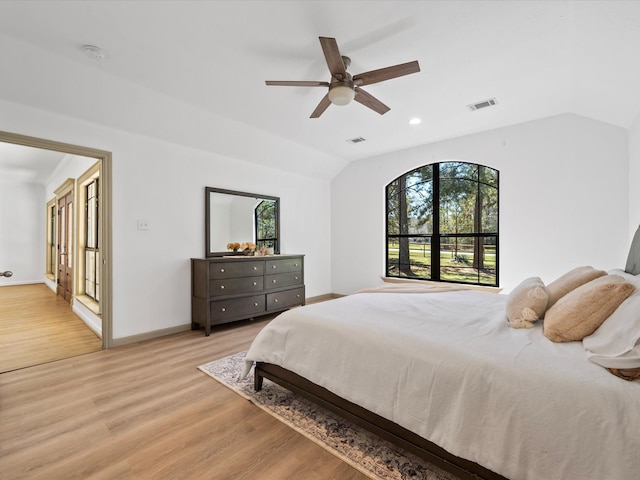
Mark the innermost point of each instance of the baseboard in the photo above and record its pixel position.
(23, 282)
(323, 298)
(90, 319)
(119, 342)
(51, 284)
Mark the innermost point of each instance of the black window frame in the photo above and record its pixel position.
(92, 238)
(259, 224)
(434, 238)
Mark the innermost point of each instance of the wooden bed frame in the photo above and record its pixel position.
(464, 469)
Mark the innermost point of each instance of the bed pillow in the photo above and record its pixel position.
(619, 335)
(633, 260)
(570, 281)
(526, 303)
(580, 312)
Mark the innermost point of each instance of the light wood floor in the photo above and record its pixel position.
(36, 326)
(144, 411)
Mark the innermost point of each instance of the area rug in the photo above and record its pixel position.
(365, 451)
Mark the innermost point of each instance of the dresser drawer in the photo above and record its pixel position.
(282, 280)
(235, 268)
(233, 286)
(283, 265)
(227, 310)
(285, 299)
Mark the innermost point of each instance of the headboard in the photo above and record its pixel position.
(633, 260)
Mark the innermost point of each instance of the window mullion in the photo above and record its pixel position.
(435, 238)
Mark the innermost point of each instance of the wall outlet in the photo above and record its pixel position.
(143, 225)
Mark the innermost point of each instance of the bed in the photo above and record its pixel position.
(442, 374)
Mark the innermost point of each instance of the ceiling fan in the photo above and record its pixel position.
(343, 87)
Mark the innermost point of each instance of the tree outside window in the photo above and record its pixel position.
(442, 224)
(266, 224)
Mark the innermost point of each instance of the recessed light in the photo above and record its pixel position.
(96, 53)
(415, 121)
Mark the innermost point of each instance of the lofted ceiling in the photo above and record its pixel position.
(537, 58)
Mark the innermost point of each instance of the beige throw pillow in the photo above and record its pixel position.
(570, 281)
(580, 312)
(526, 303)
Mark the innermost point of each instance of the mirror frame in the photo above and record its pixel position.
(207, 217)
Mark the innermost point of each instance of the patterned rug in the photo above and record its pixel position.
(373, 456)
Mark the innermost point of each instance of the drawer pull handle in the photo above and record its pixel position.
(298, 295)
(275, 300)
(222, 287)
(254, 284)
(274, 267)
(296, 277)
(223, 309)
(274, 281)
(255, 268)
(295, 264)
(222, 270)
(255, 304)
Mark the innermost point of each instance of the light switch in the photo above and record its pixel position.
(143, 225)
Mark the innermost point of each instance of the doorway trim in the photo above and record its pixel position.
(106, 206)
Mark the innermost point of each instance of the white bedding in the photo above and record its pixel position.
(447, 367)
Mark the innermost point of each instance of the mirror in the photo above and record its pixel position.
(232, 216)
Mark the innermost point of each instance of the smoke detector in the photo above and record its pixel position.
(95, 53)
(483, 104)
(356, 140)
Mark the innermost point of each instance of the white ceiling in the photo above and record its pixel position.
(537, 58)
(26, 164)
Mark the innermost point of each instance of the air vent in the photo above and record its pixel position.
(95, 53)
(483, 104)
(356, 140)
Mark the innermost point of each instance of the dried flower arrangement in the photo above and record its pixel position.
(248, 248)
(233, 246)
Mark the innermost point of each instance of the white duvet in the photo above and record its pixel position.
(447, 367)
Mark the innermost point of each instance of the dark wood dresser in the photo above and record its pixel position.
(226, 289)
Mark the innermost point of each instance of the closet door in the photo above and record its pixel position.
(65, 246)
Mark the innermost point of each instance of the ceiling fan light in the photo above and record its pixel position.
(341, 95)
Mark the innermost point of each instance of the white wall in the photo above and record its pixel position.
(71, 166)
(634, 177)
(22, 231)
(163, 183)
(563, 199)
(23, 222)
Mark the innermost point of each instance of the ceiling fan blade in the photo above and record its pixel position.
(382, 74)
(296, 84)
(333, 57)
(322, 106)
(370, 101)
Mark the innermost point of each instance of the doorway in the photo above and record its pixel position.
(66, 264)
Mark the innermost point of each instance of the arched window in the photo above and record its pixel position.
(442, 224)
